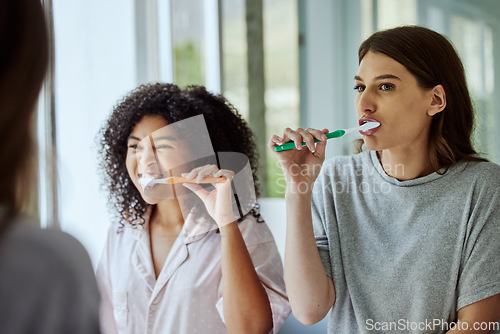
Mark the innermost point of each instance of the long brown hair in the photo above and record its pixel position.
(431, 58)
(23, 64)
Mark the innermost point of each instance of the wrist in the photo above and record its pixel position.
(293, 195)
(223, 220)
(228, 228)
(300, 189)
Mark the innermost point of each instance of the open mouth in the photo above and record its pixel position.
(145, 178)
(368, 130)
(364, 120)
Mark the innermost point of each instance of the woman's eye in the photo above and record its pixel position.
(163, 147)
(359, 88)
(386, 86)
(135, 147)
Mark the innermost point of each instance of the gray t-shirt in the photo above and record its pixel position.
(406, 255)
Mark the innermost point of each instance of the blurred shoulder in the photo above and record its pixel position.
(46, 270)
(32, 244)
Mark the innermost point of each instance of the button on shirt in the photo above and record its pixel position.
(187, 296)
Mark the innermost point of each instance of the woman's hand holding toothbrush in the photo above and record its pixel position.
(302, 165)
(218, 202)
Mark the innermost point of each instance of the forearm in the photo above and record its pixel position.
(245, 302)
(474, 327)
(310, 290)
(480, 317)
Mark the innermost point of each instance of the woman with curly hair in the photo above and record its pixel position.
(156, 275)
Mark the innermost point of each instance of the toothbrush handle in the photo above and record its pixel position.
(334, 134)
(291, 145)
(210, 179)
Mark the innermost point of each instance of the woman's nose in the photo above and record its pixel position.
(366, 102)
(147, 156)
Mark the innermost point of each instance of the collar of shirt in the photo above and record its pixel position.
(195, 227)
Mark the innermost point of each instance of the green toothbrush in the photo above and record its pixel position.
(335, 134)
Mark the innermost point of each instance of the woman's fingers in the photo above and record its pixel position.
(298, 136)
(228, 174)
(293, 135)
(218, 202)
(318, 134)
(207, 171)
(308, 138)
(202, 172)
(275, 141)
(193, 173)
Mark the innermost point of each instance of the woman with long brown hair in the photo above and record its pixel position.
(403, 236)
(46, 280)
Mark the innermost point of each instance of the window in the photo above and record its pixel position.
(103, 50)
(473, 29)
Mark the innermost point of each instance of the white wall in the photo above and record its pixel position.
(331, 33)
(95, 66)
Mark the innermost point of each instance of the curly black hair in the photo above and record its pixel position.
(223, 121)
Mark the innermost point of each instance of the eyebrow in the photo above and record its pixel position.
(380, 77)
(165, 138)
(155, 139)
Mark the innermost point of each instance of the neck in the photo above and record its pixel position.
(406, 163)
(167, 214)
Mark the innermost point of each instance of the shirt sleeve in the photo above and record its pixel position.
(319, 222)
(480, 277)
(108, 323)
(269, 268)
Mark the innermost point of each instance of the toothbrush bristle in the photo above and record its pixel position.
(144, 181)
(370, 125)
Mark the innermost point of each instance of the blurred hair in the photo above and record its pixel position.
(227, 129)
(431, 58)
(24, 58)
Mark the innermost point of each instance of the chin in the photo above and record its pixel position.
(154, 201)
(150, 201)
(371, 143)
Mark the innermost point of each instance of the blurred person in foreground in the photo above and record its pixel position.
(46, 280)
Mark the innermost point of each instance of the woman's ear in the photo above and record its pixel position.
(438, 102)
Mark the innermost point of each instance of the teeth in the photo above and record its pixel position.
(144, 180)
